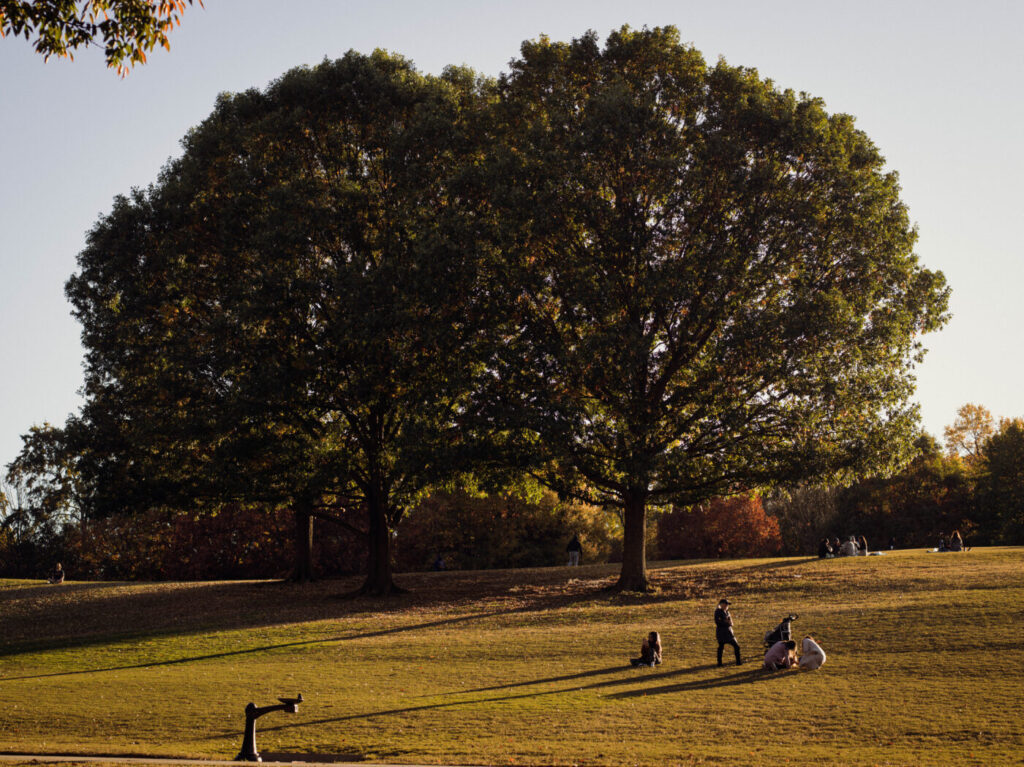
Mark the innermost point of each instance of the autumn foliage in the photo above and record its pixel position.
(721, 528)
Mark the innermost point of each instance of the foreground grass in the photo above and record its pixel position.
(926, 664)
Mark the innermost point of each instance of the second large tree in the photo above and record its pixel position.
(708, 284)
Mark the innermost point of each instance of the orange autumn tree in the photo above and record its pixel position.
(127, 29)
(720, 528)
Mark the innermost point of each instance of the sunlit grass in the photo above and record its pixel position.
(926, 664)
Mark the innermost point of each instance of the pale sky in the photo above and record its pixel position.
(938, 86)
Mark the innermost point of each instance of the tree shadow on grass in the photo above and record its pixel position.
(79, 614)
(570, 677)
(743, 677)
(750, 676)
(261, 648)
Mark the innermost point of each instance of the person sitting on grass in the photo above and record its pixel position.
(849, 548)
(56, 575)
(862, 546)
(942, 543)
(956, 543)
(650, 651)
(825, 549)
(811, 655)
(780, 655)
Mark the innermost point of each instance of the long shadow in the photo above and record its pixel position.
(776, 565)
(153, 610)
(81, 615)
(567, 678)
(264, 648)
(743, 677)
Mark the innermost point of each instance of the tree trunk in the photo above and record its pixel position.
(378, 576)
(633, 576)
(303, 572)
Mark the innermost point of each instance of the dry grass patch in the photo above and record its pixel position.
(529, 667)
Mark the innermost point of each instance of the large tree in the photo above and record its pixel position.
(127, 29)
(288, 312)
(709, 284)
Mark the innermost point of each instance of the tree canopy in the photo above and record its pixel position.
(709, 284)
(644, 280)
(286, 314)
(128, 29)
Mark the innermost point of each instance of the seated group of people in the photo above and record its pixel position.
(782, 655)
(953, 543)
(856, 546)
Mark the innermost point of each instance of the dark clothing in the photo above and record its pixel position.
(735, 648)
(724, 633)
(723, 624)
(824, 550)
(650, 655)
(574, 545)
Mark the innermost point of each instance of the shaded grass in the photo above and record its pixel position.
(926, 661)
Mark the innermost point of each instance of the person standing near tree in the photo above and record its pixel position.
(723, 630)
(575, 550)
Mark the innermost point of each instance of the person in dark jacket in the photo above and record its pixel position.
(825, 549)
(575, 551)
(723, 630)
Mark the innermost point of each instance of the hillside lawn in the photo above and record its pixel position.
(925, 666)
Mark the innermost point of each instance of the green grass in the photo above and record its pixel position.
(926, 664)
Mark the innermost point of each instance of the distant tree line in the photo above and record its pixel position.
(640, 281)
(979, 492)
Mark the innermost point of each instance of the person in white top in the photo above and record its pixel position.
(812, 656)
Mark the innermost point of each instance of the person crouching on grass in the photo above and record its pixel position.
(811, 655)
(780, 655)
(650, 651)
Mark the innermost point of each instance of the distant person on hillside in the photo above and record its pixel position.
(849, 548)
(956, 543)
(862, 546)
(56, 575)
(723, 630)
(575, 549)
(650, 651)
(892, 543)
(836, 546)
(780, 655)
(942, 543)
(811, 655)
(825, 549)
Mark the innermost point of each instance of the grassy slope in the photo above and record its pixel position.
(926, 664)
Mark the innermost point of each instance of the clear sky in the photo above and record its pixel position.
(937, 85)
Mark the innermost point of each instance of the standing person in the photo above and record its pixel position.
(575, 549)
(723, 630)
